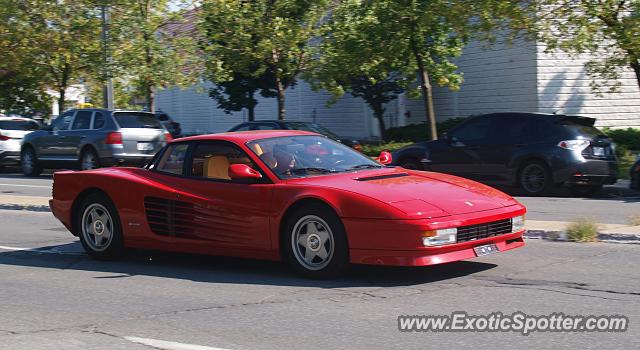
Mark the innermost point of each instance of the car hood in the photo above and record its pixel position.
(417, 193)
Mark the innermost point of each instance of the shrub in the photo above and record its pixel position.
(374, 150)
(625, 138)
(419, 132)
(582, 230)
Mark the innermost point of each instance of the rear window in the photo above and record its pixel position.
(137, 120)
(582, 130)
(25, 125)
(313, 128)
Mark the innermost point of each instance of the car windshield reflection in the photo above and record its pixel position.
(303, 156)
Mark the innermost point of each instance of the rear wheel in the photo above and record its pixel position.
(89, 160)
(29, 162)
(535, 178)
(585, 190)
(315, 242)
(99, 228)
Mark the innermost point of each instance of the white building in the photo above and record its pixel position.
(74, 95)
(521, 77)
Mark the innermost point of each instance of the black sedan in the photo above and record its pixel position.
(534, 151)
(296, 125)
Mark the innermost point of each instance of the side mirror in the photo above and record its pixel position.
(243, 172)
(384, 158)
(444, 136)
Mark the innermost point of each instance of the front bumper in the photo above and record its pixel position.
(9, 158)
(435, 255)
(399, 242)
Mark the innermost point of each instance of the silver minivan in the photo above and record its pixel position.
(92, 138)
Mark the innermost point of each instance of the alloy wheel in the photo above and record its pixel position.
(312, 242)
(534, 178)
(97, 227)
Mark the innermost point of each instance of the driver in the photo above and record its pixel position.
(284, 160)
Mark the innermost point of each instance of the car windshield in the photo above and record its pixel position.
(304, 156)
(313, 127)
(137, 120)
(24, 125)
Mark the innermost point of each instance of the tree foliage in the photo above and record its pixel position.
(609, 30)
(258, 39)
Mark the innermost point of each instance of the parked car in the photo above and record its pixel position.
(91, 138)
(533, 151)
(297, 125)
(174, 127)
(285, 195)
(12, 130)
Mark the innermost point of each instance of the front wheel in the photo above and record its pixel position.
(535, 178)
(29, 162)
(315, 242)
(99, 228)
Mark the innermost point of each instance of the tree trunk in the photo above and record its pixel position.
(281, 89)
(378, 112)
(150, 98)
(61, 100)
(427, 96)
(252, 113)
(636, 68)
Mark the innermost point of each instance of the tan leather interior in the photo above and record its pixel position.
(216, 167)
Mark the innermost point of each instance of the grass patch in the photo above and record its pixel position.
(582, 230)
(634, 220)
(374, 150)
(625, 161)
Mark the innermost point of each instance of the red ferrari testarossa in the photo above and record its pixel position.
(290, 195)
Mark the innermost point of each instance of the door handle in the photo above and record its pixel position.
(62, 137)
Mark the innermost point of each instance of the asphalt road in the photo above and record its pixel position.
(614, 205)
(55, 297)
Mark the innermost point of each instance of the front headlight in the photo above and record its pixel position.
(440, 237)
(517, 223)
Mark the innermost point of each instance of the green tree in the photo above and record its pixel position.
(240, 92)
(607, 29)
(153, 46)
(53, 44)
(254, 38)
(414, 39)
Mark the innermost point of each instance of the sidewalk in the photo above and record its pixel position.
(552, 230)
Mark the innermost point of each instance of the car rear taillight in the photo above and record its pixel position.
(574, 145)
(113, 138)
(4, 137)
(168, 136)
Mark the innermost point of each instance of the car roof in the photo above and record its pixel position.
(15, 118)
(247, 136)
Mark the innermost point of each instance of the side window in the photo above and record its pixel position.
(265, 126)
(511, 130)
(162, 117)
(82, 121)
(172, 160)
(211, 160)
(98, 120)
(62, 122)
(475, 132)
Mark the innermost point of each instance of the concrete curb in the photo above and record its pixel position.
(561, 236)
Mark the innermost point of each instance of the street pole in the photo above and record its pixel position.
(107, 90)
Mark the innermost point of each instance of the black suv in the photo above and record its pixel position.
(531, 150)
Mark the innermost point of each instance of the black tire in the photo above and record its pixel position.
(411, 164)
(585, 190)
(89, 159)
(534, 178)
(336, 247)
(93, 236)
(29, 162)
(635, 183)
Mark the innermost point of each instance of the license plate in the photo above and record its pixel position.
(598, 151)
(486, 249)
(145, 146)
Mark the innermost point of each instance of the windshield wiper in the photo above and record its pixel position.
(365, 166)
(299, 171)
